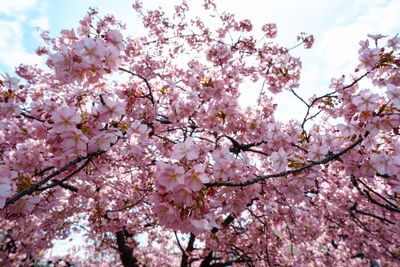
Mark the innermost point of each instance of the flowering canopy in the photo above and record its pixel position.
(166, 153)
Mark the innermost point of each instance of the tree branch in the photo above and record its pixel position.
(36, 186)
(367, 195)
(144, 79)
(189, 248)
(127, 259)
(330, 157)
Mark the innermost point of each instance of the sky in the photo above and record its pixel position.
(337, 25)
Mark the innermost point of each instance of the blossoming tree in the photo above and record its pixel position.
(163, 167)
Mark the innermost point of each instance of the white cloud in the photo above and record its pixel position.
(11, 7)
(41, 22)
(17, 26)
(339, 44)
(12, 51)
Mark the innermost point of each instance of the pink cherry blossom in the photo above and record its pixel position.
(369, 58)
(222, 154)
(381, 162)
(170, 175)
(221, 170)
(337, 83)
(65, 119)
(393, 94)
(7, 185)
(187, 150)
(195, 178)
(183, 195)
(116, 38)
(367, 101)
(270, 30)
(279, 160)
(9, 82)
(111, 109)
(376, 37)
(102, 141)
(9, 109)
(139, 145)
(317, 152)
(75, 142)
(201, 225)
(394, 42)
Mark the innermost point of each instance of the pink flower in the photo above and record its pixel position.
(186, 150)
(364, 45)
(8, 109)
(270, 30)
(369, 58)
(222, 154)
(337, 83)
(367, 101)
(317, 152)
(7, 185)
(75, 142)
(65, 119)
(111, 109)
(279, 160)
(395, 183)
(183, 195)
(115, 37)
(170, 175)
(376, 37)
(393, 94)
(9, 82)
(201, 225)
(165, 213)
(347, 130)
(25, 205)
(102, 141)
(221, 170)
(394, 168)
(382, 162)
(394, 43)
(92, 50)
(195, 178)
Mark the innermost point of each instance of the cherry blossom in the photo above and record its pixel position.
(65, 119)
(111, 110)
(151, 157)
(7, 186)
(369, 58)
(186, 150)
(195, 178)
(366, 101)
(393, 94)
(170, 175)
(317, 152)
(279, 160)
(394, 42)
(270, 30)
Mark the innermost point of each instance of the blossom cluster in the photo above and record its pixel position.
(166, 150)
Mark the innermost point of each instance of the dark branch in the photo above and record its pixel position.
(36, 186)
(366, 194)
(330, 157)
(189, 248)
(31, 117)
(143, 79)
(127, 259)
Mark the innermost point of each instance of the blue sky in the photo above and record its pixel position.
(338, 26)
